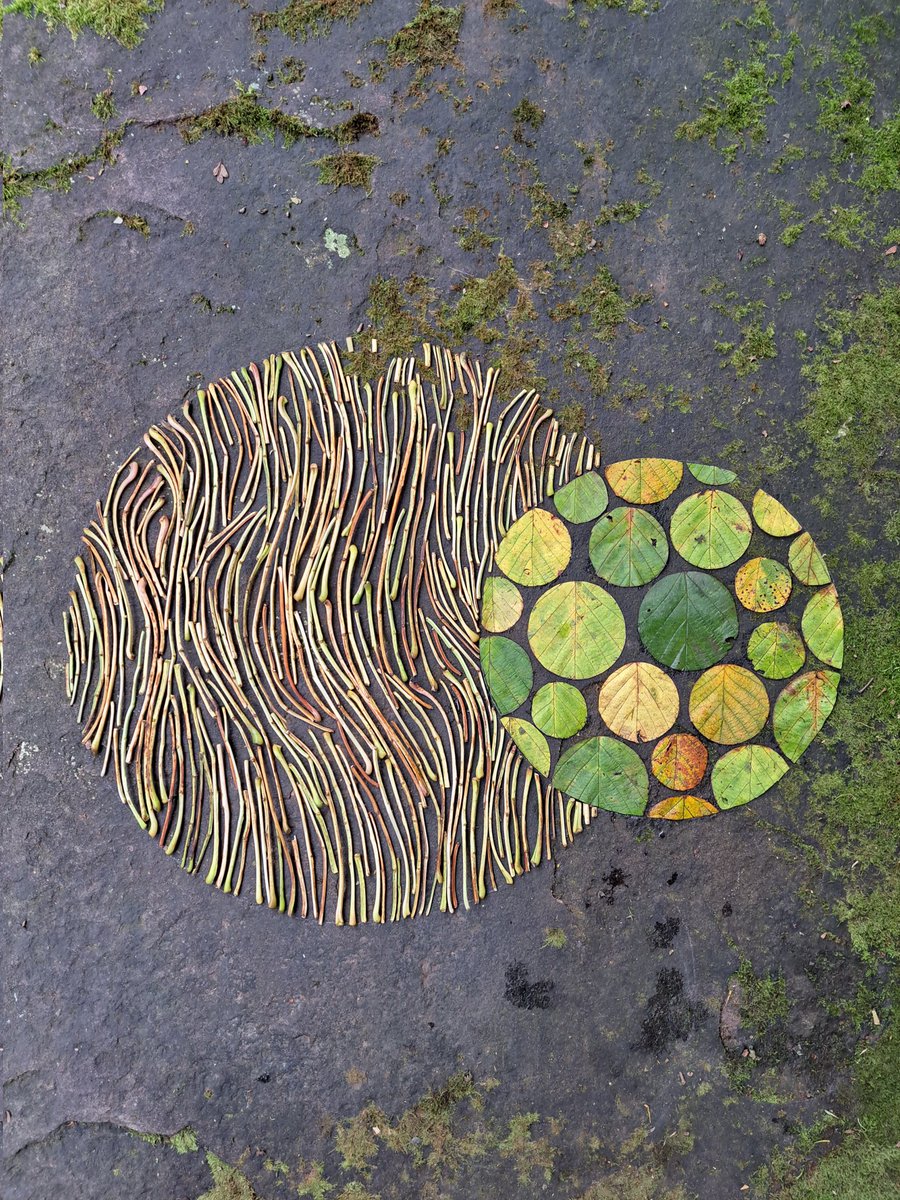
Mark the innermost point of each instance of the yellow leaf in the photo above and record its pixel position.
(772, 517)
(682, 808)
(536, 549)
(729, 704)
(762, 585)
(644, 480)
(639, 702)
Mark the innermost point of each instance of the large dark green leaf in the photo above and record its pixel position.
(507, 671)
(605, 773)
(688, 620)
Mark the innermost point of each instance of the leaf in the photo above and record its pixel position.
(728, 704)
(507, 672)
(576, 630)
(711, 529)
(559, 710)
(807, 563)
(762, 585)
(801, 710)
(776, 651)
(743, 774)
(536, 549)
(823, 627)
(639, 702)
(604, 772)
(501, 604)
(772, 517)
(582, 499)
(711, 475)
(682, 808)
(628, 547)
(644, 480)
(531, 742)
(220, 171)
(688, 620)
(679, 761)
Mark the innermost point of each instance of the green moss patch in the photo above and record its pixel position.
(308, 18)
(123, 20)
(428, 42)
(245, 116)
(347, 169)
(20, 184)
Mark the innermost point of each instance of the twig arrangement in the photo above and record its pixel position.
(273, 636)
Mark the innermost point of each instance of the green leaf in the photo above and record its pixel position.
(603, 772)
(688, 620)
(507, 672)
(531, 742)
(801, 710)
(536, 549)
(775, 650)
(576, 630)
(711, 476)
(628, 547)
(583, 499)
(501, 604)
(559, 710)
(807, 562)
(711, 529)
(745, 773)
(823, 627)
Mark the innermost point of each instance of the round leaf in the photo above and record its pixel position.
(576, 630)
(603, 772)
(688, 620)
(743, 774)
(728, 704)
(559, 710)
(639, 702)
(536, 549)
(682, 808)
(628, 547)
(711, 476)
(762, 585)
(823, 627)
(501, 604)
(807, 563)
(583, 499)
(711, 529)
(531, 742)
(644, 480)
(507, 672)
(801, 710)
(776, 651)
(772, 517)
(679, 761)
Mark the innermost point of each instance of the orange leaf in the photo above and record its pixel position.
(679, 761)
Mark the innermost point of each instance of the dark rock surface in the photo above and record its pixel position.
(135, 998)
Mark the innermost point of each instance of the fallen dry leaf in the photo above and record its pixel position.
(762, 239)
(142, 88)
(221, 172)
(891, 250)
